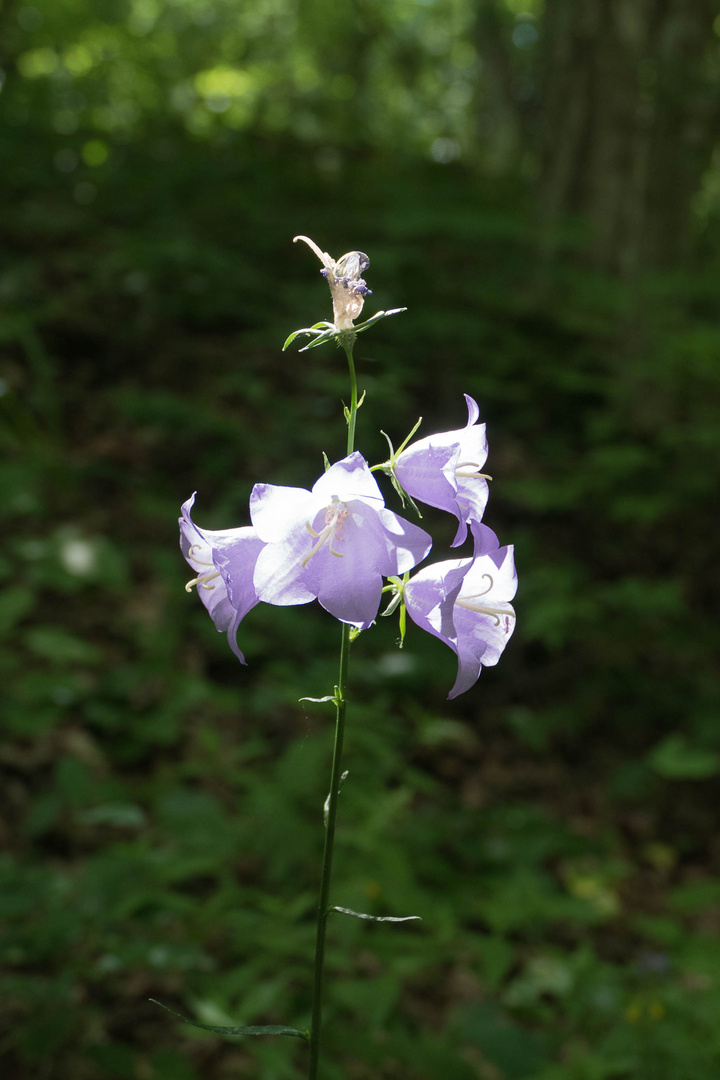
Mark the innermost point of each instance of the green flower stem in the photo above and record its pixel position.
(324, 904)
(348, 340)
(324, 907)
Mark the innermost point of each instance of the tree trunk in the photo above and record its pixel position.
(628, 119)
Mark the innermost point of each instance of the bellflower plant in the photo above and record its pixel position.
(337, 543)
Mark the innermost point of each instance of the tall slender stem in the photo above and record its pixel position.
(347, 343)
(336, 772)
(324, 903)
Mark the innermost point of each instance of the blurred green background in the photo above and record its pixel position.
(540, 185)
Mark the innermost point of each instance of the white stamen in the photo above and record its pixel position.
(201, 562)
(475, 474)
(202, 580)
(484, 592)
(334, 517)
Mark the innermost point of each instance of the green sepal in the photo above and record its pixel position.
(392, 606)
(403, 625)
(240, 1029)
(376, 318)
(326, 461)
(377, 918)
(328, 330)
(405, 499)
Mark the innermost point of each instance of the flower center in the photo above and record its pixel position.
(334, 517)
(204, 578)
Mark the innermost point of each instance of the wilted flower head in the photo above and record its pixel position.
(346, 284)
(224, 563)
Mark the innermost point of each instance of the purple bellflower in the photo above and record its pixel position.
(346, 284)
(224, 563)
(336, 542)
(465, 603)
(444, 471)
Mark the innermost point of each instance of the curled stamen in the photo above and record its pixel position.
(494, 613)
(202, 562)
(202, 579)
(484, 592)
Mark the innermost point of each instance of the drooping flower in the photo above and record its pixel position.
(336, 542)
(224, 562)
(443, 470)
(344, 277)
(465, 603)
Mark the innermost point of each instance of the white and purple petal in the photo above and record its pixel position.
(443, 470)
(224, 562)
(465, 603)
(336, 543)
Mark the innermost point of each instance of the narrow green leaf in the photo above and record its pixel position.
(377, 918)
(240, 1029)
(376, 318)
(327, 328)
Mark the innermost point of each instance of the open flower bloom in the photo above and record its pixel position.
(465, 603)
(444, 471)
(346, 284)
(336, 542)
(224, 563)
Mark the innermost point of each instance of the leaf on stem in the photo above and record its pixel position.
(240, 1029)
(377, 918)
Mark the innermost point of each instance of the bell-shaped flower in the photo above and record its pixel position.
(465, 603)
(344, 277)
(444, 471)
(224, 563)
(336, 542)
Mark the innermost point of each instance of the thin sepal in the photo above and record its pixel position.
(328, 330)
(376, 318)
(377, 918)
(405, 499)
(240, 1029)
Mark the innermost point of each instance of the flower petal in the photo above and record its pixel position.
(227, 558)
(406, 544)
(349, 479)
(275, 510)
(430, 597)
